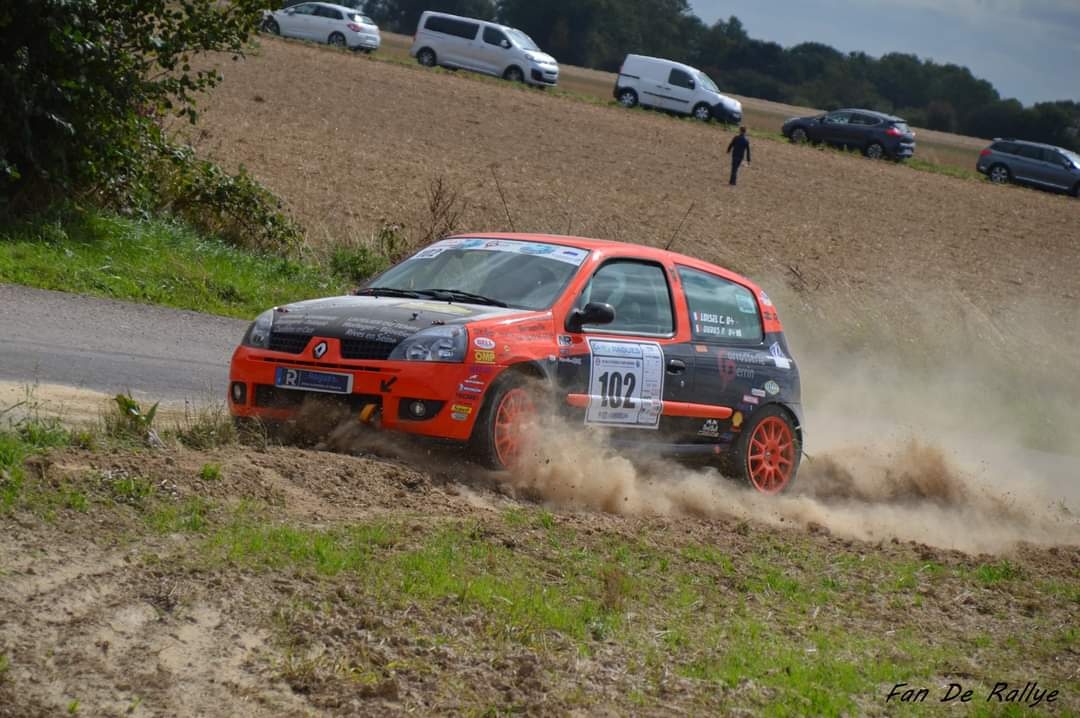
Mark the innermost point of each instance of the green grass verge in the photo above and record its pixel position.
(157, 261)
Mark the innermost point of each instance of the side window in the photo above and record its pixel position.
(327, 12)
(865, 120)
(1029, 152)
(1006, 147)
(720, 310)
(639, 293)
(681, 79)
(467, 30)
(494, 37)
(838, 118)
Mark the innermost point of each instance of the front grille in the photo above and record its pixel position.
(288, 343)
(366, 349)
(271, 397)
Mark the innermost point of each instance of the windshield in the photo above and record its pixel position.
(523, 275)
(707, 82)
(522, 40)
(1073, 157)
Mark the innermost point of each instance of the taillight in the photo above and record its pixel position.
(893, 132)
(354, 27)
(985, 152)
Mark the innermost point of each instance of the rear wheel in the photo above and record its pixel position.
(875, 151)
(768, 451)
(426, 57)
(999, 174)
(337, 40)
(501, 436)
(271, 26)
(798, 136)
(1076, 190)
(628, 98)
(702, 112)
(514, 74)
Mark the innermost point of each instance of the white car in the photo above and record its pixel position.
(673, 86)
(481, 46)
(322, 22)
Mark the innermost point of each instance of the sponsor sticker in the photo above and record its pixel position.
(772, 388)
(565, 340)
(484, 356)
(765, 299)
(457, 416)
(711, 427)
(484, 343)
(469, 389)
(461, 409)
(626, 384)
(760, 393)
(320, 350)
(749, 399)
(782, 362)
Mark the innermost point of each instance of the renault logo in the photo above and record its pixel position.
(319, 350)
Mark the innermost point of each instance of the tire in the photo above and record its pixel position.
(875, 151)
(799, 136)
(514, 74)
(627, 98)
(426, 57)
(767, 452)
(271, 26)
(1076, 190)
(499, 440)
(338, 40)
(702, 112)
(999, 174)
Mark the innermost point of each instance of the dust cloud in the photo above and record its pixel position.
(924, 437)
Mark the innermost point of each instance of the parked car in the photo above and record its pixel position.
(322, 22)
(1031, 163)
(460, 42)
(467, 339)
(673, 86)
(876, 134)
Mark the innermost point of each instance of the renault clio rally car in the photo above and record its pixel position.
(469, 337)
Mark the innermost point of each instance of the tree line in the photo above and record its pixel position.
(599, 34)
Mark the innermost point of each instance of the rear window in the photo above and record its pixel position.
(902, 126)
(720, 310)
(362, 19)
(450, 26)
(328, 12)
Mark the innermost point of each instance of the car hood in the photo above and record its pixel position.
(542, 57)
(729, 103)
(377, 318)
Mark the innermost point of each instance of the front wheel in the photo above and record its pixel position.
(798, 136)
(271, 26)
(503, 430)
(702, 112)
(768, 451)
(514, 74)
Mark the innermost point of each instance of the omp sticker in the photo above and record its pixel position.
(626, 384)
(484, 356)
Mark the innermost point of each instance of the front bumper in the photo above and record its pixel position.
(541, 74)
(723, 114)
(453, 396)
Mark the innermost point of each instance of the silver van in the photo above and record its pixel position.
(673, 86)
(481, 46)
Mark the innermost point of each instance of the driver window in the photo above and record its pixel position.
(639, 293)
(681, 79)
(838, 118)
(495, 37)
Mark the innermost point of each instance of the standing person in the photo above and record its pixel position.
(738, 147)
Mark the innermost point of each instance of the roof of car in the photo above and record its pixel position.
(616, 248)
(1027, 142)
(875, 113)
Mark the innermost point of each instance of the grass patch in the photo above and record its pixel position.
(922, 165)
(155, 261)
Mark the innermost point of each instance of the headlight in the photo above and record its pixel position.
(447, 344)
(534, 58)
(258, 334)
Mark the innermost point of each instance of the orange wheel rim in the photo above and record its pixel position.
(515, 412)
(770, 456)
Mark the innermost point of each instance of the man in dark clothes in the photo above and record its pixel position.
(738, 147)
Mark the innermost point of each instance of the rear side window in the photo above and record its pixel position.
(450, 26)
(679, 78)
(330, 13)
(1006, 147)
(867, 120)
(494, 37)
(1031, 153)
(639, 293)
(720, 310)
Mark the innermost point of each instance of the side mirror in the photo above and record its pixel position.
(290, 11)
(593, 313)
(505, 44)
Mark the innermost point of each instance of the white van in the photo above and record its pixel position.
(481, 46)
(673, 86)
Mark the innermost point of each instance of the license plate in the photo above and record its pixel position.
(286, 378)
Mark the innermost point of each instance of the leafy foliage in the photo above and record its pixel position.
(83, 84)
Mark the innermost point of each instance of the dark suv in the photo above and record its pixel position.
(1031, 163)
(876, 134)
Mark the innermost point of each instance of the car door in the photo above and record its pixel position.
(834, 128)
(298, 21)
(732, 366)
(678, 93)
(862, 129)
(325, 21)
(463, 44)
(624, 371)
(493, 51)
(1056, 171)
(1028, 164)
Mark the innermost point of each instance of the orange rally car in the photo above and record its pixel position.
(670, 354)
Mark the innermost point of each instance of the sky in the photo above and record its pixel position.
(1028, 49)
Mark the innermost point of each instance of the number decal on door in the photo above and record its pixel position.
(626, 384)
